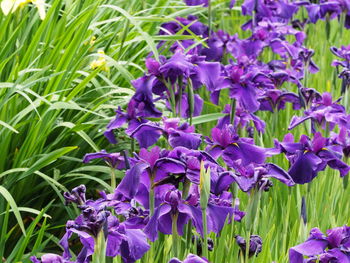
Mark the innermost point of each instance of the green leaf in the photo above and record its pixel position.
(11, 201)
(207, 118)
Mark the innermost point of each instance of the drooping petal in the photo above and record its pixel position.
(305, 167)
(129, 184)
(277, 172)
(309, 248)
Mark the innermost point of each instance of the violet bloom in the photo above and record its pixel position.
(325, 113)
(149, 168)
(242, 119)
(173, 206)
(50, 258)
(243, 89)
(227, 144)
(196, 2)
(134, 116)
(277, 11)
(255, 245)
(87, 226)
(198, 241)
(344, 53)
(326, 9)
(275, 99)
(140, 106)
(191, 160)
(177, 134)
(343, 140)
(114, 160)
(257, 176)
(189, 259)
(219, 43)
(129, 242)
(194, 25)
(178, 66)
(219, 208)
(333, 247)
(181, 135)
(308, 157)
(77, 195)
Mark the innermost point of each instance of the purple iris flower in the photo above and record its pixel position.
(219, 208)
(140, 107)
(173, 206)
(196, 2)
(219, 43)
(191, 160)
(275, 99)
(327, 9)
(148, 134)
(196, 27)
(123, 239)
(189, 259)
(257, 176)
(184, 105)
(131, 244)
(323, 113)
(227, 144)
(278, 11)
(333, 247)
(343, 140)
(50, 258)
(344, 53)
(178, 66)
(87, 226)
(211, 77)
(255, 245)
(181, 135)
(114, 160)
(243, 87)
(308, 157)
(242, 119)
(77, 195)
(135, 115)
(148, 169)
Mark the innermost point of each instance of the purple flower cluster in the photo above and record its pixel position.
(344, 54)
(189, 181)
(333, 247)
(284, 10)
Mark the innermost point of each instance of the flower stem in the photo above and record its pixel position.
(190, 95)
(175, 235)
(233, 111)
(252, 208)
(179, 100)
(172, 99)
(346, 177)
(186, 188)
(100, 249)
(205, 234)
(113, 180)
(151, 199)
(209, 16)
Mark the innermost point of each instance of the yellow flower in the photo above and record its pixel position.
(8, 6)
(101, 62)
